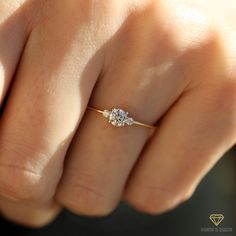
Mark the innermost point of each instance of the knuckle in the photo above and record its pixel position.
(87, 203)
(198, 25)
(197, 48)
(155, 200)
(20, 177)
(86, 200)
(187, 50)
(20, 184)
(191, 27)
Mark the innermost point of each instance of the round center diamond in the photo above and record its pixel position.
(118, 117)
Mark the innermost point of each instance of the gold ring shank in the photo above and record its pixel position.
(134, 122)
(144, 125)
(94, 109)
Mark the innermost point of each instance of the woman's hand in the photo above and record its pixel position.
(166, 62)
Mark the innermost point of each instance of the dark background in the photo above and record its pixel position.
(215, 194)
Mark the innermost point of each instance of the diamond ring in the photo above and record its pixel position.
(118, 117)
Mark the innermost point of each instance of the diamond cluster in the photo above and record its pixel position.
(118, 117)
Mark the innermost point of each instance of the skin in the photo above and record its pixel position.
(60, 56)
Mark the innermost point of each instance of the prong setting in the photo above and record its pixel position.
(118, 117)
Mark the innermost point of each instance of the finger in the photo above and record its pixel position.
(193, 136)
(101, 156)
(45, 106)
(13, 35)
(27, 215)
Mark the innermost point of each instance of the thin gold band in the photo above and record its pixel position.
(134, 122)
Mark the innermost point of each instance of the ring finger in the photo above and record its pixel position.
(101, 156)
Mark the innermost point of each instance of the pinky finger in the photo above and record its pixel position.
(193, 136)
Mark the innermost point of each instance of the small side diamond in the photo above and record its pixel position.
(106, 113)
(130, 121)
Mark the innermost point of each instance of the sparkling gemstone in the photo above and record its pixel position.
(106, 113)
(118, 117)
(129, 121)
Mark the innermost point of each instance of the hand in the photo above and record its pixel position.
(166, 62)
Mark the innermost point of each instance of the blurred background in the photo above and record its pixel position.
(215, 194)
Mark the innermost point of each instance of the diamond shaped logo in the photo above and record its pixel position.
(216, 218)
